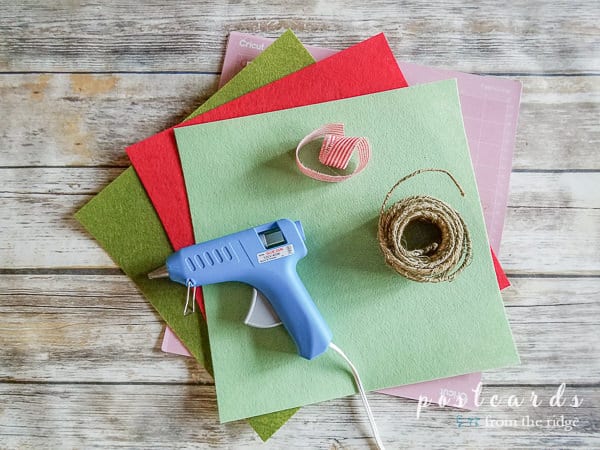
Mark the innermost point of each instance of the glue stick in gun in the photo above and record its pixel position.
(264, 257)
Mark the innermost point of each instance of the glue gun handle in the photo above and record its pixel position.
(298, 313)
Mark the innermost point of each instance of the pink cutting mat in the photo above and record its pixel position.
(490, 107)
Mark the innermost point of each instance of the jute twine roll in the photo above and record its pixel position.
(437, 262)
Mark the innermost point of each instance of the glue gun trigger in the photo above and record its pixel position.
(261, 314)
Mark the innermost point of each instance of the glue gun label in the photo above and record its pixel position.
(275, 253)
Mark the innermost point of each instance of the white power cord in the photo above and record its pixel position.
(363, 395)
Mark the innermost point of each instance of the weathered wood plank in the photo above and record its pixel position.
(78, 119)
(69, 328)
(83, 36)
(84, 328)
(560, 235)
(39, 230)
(166, 416)
(554, 190)
(81, 119)
(558, 124)
(551, 241)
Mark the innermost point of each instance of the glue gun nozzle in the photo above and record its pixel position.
(161, 272)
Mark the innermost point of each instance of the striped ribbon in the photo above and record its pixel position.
(336, 151)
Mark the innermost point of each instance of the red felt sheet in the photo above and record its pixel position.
(503, 282)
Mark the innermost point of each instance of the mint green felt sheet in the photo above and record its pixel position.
(396, 331)
(124, 222)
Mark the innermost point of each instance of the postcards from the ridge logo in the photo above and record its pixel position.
(554, 422)
(558, 400)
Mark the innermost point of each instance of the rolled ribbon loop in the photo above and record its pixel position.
(336, 151)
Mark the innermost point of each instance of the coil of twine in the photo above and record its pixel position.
(437, 261)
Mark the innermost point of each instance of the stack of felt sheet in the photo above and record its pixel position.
(228, 167)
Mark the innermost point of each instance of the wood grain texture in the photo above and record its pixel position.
(98, 328)
(551, 241)
(168, 416)
(80, 364)
(555, 190)
(100, 115)
(61, 328)
(73, 36)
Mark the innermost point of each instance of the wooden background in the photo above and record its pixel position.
(80, 364)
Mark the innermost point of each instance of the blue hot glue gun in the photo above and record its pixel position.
(264, 257)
